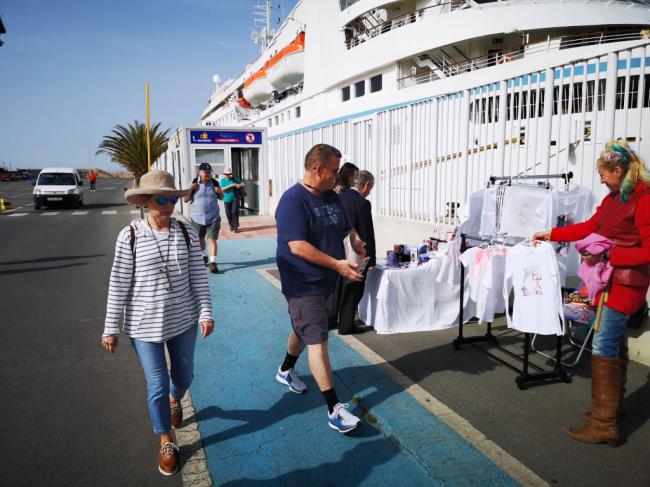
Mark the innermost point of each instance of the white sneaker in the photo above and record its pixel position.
(291, 380)
(343, 420)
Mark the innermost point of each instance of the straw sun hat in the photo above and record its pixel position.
(160, 183)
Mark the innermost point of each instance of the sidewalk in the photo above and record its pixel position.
(255, 432)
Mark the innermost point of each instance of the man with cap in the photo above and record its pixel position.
(230, 184)
(206, 217)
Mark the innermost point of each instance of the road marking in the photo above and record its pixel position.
(19, 214)
(109, 212)
(79, 212)
(50, 213)
(135, 212)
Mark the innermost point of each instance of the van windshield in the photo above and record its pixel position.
(57, 179)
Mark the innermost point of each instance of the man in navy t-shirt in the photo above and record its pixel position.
(311, 226)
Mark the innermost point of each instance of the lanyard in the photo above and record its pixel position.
(164, 271)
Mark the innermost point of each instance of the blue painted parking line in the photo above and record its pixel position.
(256, 432)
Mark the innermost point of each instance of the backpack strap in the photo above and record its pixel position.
(186, 235)
(132, 241)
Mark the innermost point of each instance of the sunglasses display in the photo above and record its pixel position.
(162, 201)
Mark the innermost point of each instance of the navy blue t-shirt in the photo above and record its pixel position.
(319, 220)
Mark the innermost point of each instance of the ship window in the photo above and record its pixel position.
(496, 109)
(271, 122)
(646, 92)
(277, 120)
(298, 112)
(508, 105)
(490, 108)
(375, 83)
(345, 93)
(515, 107)
(577, 98)
(566, 91)
(556, 95)
(602, 87)
(533, 104)
(633, 99)
(540, 112)
(620, 92)
(591, 86)
(524, 105)
(360, 88)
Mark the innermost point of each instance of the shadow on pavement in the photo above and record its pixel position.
(40, 269)
(245, 264)
(362, 459)
(51, 259)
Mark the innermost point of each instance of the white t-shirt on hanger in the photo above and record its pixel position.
(532, 273)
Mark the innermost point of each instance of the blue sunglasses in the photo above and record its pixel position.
(162, 201)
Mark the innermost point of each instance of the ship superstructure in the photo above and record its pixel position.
(435, 96)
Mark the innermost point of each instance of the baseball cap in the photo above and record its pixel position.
(205, 167)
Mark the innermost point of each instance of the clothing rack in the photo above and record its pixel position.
(566, 176)
(525, 377)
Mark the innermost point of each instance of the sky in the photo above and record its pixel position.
(72, 69)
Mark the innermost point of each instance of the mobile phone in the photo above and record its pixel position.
(362, 265)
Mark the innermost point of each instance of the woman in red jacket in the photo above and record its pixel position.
(623, 217)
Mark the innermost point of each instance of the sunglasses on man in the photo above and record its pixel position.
(162, 201)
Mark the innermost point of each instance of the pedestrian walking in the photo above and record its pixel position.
(344, 302)
(230, 185)
(623, 217)
(311, 225)
(92, 180)
(206, 217)
(159, 289)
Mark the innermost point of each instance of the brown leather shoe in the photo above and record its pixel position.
(602, 426)
(177, 414)
(625, 360)
(213, 267)
(168, 459)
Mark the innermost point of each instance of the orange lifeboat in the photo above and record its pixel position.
(257, 88)
(287, 68)
(243, 102)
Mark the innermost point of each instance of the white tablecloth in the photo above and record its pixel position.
(406, 300)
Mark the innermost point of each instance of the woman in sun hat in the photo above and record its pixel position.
(159, 289)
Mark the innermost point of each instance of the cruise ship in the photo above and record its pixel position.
(436, 96)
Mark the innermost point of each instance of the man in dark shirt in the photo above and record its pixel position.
(344, 302)
(311, 225)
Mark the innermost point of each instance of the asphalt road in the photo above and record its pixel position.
(72, 414)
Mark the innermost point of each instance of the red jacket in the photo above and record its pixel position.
(626, 299)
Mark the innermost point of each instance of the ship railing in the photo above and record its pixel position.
(565, 42)
(405, 19)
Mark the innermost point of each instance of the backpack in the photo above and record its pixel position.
(214, 182)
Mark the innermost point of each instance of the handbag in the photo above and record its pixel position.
(240, 193)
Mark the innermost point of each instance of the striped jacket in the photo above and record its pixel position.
(138, 295)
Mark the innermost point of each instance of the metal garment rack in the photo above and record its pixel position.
(525, 377)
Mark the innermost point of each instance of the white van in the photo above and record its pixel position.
(58, 185)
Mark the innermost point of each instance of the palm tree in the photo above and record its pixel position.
(127, 146)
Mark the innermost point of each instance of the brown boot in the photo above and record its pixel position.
(605, 398)
(625, 360)
(168, 459)
(177, 414)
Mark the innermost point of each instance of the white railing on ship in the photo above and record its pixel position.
(402, 20)
(447, 69)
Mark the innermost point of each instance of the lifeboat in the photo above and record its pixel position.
(243, 102)
(287, 68)
(257, 88)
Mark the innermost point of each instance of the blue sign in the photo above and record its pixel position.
(225, 137)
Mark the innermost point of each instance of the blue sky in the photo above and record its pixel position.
(72, 69)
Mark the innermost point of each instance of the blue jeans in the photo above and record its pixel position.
(159, 385)
(612, 333)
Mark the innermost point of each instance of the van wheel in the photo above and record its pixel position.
(80, 203)
(37, 206)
